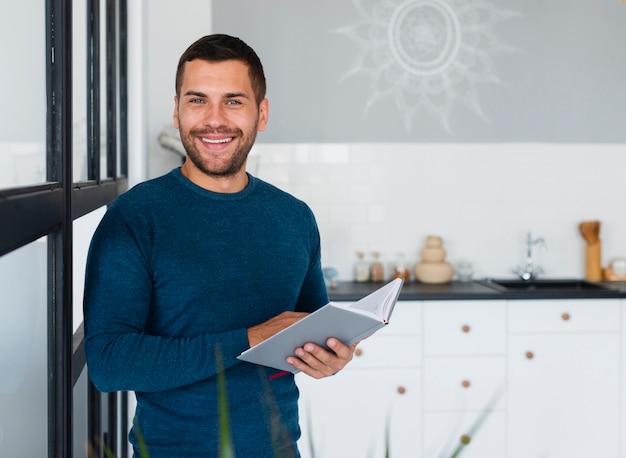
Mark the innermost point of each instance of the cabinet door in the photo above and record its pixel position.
(464, 328)
(385, 351)
(468, 434)
(563, 394)
(361, 413)
(406, 319)
(464, 383)
(563, 316)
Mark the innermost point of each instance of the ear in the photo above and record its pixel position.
(264, 109)
(175, 114)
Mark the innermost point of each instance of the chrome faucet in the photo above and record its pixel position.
(530, 271)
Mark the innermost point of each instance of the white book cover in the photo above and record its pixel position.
(347, 323)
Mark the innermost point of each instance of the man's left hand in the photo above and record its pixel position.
(318, 362)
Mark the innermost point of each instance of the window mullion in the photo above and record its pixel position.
(59, 169)
(111, 64)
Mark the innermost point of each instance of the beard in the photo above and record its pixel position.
(202, 159)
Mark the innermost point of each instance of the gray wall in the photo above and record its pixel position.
(473, 71)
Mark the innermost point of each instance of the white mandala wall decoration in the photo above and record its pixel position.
(427, 55)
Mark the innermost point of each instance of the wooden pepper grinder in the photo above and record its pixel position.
(590, 231)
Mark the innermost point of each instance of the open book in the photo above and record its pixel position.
(347, 323)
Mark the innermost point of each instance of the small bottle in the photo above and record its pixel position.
(377, 271)
(361, 268)
(400, 269)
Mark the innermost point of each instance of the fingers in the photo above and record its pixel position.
(306, 368)
(318, 362)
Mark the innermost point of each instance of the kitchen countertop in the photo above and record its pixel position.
(473, 290)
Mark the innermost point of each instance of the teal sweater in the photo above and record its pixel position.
(175, 276)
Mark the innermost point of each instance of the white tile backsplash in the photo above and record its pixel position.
(481, 198)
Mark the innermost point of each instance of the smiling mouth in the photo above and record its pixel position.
(217, 141)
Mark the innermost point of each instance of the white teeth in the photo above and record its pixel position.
(223, 140)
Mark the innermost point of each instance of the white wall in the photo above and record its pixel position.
(482, 198)
(170, 27)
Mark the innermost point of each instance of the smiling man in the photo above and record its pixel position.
(188, 270)
(218, 117)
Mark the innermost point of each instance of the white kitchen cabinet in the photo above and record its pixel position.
(464, 376)
(564, 379)
(464, 327)
(473, 433)
(464, 383)
(359, 413)
(374, 405)
(556, 316)
(512, 379)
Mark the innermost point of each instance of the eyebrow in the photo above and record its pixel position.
(195, 94)
(228, 95)
(232, 95)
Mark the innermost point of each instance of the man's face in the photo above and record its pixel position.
(217, 116)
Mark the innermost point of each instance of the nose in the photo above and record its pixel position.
(215, 115)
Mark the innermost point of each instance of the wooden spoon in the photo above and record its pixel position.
(590, 231)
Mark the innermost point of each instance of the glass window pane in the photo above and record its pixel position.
(23, 109)
(80, 417)
(103, 90)
(83, 230)
(23, 352)
(79, 91)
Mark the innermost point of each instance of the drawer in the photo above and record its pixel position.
(406, 319)
(468, 383)
(388, 351)
(571, 315)
(484, 431)
(464, 327)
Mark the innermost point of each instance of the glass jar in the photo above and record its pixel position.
(361, 268)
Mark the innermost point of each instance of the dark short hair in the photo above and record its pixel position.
(219, 48)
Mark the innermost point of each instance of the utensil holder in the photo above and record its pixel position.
(593, 261)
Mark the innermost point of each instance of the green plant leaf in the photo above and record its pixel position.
(143, 448)
(107, 451)
(226, 449)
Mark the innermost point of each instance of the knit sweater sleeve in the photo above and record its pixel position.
(121, 352)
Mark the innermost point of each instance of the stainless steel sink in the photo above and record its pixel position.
(566, 285)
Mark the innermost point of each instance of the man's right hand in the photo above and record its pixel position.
(260, 332)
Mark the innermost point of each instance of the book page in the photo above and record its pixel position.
(381, 301)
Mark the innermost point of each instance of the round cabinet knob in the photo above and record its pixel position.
(565, 316)
(465, 383)
(530, 355)
(465, 439)
(358, 352)
(465, 328)
(401, 390)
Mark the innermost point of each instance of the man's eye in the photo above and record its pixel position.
(233, 102)
(196, 101)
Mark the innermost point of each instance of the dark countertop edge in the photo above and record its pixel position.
(474, 290)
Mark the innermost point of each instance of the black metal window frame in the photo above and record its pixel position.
(49, 209)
